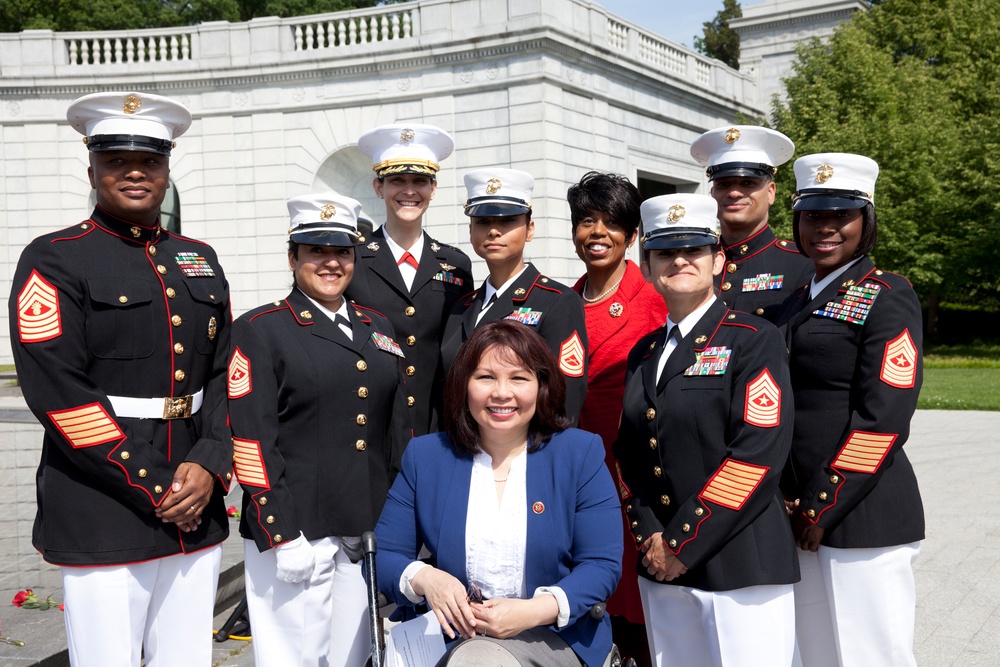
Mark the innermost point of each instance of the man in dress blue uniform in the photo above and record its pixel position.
(401, 271)
(120, 333)
(760, 271)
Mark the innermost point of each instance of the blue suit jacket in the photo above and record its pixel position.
(572, 539)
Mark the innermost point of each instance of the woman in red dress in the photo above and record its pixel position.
(620, 307)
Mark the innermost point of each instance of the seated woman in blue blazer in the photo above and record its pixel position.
(517, 511)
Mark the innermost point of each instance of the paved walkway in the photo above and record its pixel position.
(958, 571)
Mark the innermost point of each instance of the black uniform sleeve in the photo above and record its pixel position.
(884, 394)
(565, 328)
(52, 369)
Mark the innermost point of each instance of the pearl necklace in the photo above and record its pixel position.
(597, 298)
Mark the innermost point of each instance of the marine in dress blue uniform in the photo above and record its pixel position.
(554, 310)
(120, 333)
(706, 428)
(317, 397)
(415, 293)
(854, 336)
(760, 270)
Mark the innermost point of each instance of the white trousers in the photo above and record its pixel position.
(747, 627)
(165, 605)
(322, 621)
(858, 605)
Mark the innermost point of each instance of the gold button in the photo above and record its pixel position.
(263, 500)
(125, 456)
(360, 445)
(822, 495)
(161, 269)
(229, 476)
(652, 443)
(664, 499)
(179, 375)
(635, 524)
(672, 544)
(171, 292)
(638, 539)
(544, 279)
(650, 414)
(410, 401)
(686, 528)
(410, 370)
(123, 299)
(811, 514)
(879, 272)
(158, 489)
(362, 392)
(179, 348)
(726, 286)
(732, 316)
(410, 311)
(361, 420)
(212, 297)
(277, 538)
(731, 268)
(744, 249)
(411, 340)
(658, 471)
(269, 519)
(698, 511)
(152, 250)
(142, 472)
(176, 320)
(834, 479)
(760, 311)
(277, 303)
(361, 365)
(628, 508)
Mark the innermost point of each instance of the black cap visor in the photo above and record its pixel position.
(679, 238)
(740, 170)
(99, 143)
(829, 200)
(325, 237)
(495, 209)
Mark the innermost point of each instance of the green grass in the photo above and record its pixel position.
(961, 377)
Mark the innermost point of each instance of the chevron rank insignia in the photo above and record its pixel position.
(864, 452)
(387, 344)
(525, 316)
(571, 356)
(239, 375)
(38, 311)
(763, 404)
(710, 361)
(86, 426)
(733, 484)
(899, 364)
(249, 463)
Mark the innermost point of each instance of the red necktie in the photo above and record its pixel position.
(407, 258)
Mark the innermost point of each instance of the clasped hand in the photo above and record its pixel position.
(189, 494)
(658, 560)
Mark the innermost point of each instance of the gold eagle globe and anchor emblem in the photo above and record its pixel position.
(328, 211)
(493, 186)
(406, 136)
(131, 104)
(824, 173)
(676, 212)
(732, 135)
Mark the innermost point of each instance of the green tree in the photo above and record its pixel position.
(915, 85)
(68, 15)
(720, 41)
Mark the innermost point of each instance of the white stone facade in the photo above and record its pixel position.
(554, 87)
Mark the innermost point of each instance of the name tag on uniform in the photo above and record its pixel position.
(448, 277)
(852, 306)
(194, 265)
(387, 344)
(525, 316)
(763, 282)
(711, 361)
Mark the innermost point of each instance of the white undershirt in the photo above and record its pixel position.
(816, 287)
(332, 315)
(685, 325)
(405, 270)
(490, 291)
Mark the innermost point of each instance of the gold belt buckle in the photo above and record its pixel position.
(177, 407)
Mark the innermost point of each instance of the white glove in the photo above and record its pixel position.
(296, 560)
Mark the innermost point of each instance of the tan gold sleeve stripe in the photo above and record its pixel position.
(86, 426)
(733, 484)
(864, 452)
(249, 464)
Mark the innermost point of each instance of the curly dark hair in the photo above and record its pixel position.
(612, 194)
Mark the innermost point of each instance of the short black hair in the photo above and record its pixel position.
(612, 194)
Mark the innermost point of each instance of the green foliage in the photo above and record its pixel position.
(720, 41)
(69, 15)
(914, 84)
